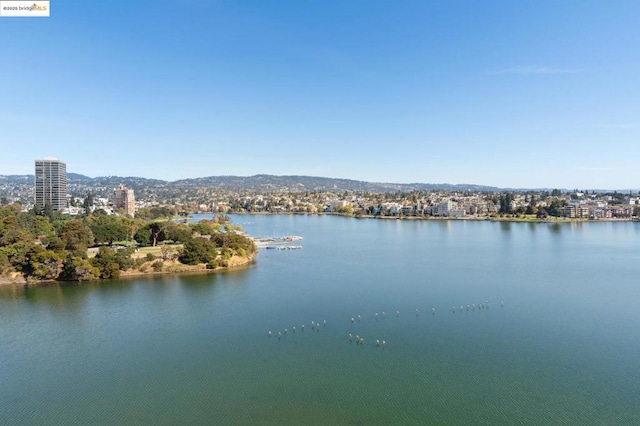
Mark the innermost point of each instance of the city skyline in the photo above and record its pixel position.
(531, 95)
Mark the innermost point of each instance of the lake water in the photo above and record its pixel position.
(564, 348)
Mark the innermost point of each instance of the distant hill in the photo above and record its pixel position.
(78, 177)
(271, 183)
(16, 179)
(257, 183)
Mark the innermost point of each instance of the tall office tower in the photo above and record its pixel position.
(51, 183)
(123, 198)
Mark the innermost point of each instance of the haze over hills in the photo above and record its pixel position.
(257, 183)
(268, 183)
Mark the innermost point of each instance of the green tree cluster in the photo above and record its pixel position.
(198, 250)
(506, 201)
(55, 247)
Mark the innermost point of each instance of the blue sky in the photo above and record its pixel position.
(504, 93)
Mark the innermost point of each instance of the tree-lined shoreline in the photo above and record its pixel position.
(43, 246)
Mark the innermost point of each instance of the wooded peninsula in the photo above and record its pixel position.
(44, 245)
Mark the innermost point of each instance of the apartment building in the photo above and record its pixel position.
(51, 183)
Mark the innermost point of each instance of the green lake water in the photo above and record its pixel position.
(564, 348)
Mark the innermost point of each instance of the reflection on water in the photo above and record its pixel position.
(505, 226)
(555, 228)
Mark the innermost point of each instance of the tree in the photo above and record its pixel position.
(150, 213)
(110, 271)
(47, 211)
(206, 227)
(106, 262)
(132, 226)
(88, 204)
(107, 229)
(123, 258)
(167, 251)
(555, 208)
(76, 235)
(143, 236)
(37, 226)
(177, 232)
(54, 243)
(346, 210)
(35, 262)
(78, 269)
(506, 201)
(198, 250)
(11, 232)
(5, 263)
(157, 234)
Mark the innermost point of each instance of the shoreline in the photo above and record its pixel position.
(552, 219)
(200, 269)
(16, 279)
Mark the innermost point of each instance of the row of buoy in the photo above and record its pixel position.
(472, 306)
(482, 305)
(315, 325)
(360, 340)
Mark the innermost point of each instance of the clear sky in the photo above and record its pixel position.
(505, 93)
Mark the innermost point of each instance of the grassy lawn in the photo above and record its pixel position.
(142, 251)
(156, 251)
(153, 250)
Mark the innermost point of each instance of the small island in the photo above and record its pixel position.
(42, 246)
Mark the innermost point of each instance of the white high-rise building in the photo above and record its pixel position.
(51, 183)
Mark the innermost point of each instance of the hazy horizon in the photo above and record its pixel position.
(355, 180)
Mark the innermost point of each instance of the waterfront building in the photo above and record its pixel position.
(51, 183)
(124, 198)
(569, 211)
(443, 208)
(407, 210)
(576, 210)
(583, 211)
